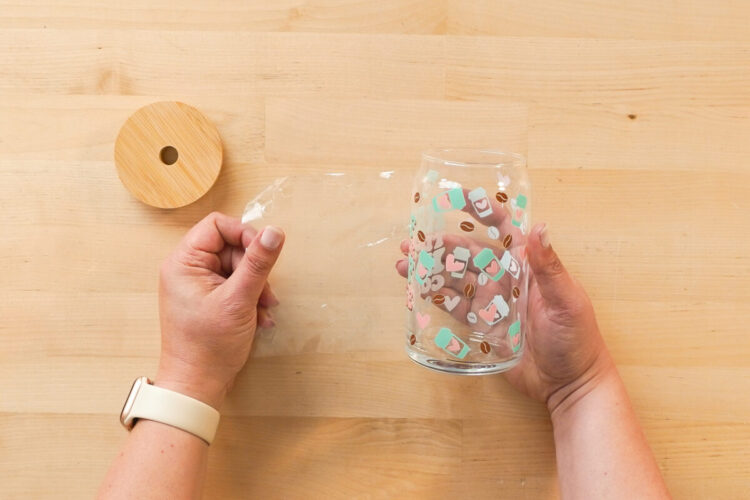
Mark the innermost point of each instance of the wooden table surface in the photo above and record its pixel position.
(636, 123)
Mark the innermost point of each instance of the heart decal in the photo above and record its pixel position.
(423, 320)
(451, 264)
(492, 268)
(451, 302)
(488, 314)
(453, 346)
(444, 202)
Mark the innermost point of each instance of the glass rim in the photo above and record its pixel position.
(450, 156)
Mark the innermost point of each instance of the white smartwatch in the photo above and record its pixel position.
(168, 407)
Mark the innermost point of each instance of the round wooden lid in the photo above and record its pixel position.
(168, 154)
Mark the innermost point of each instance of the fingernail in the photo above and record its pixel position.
(274, 299)
(271, 238)
(544, 236)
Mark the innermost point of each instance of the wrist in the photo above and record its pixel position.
(187, 380)
(564, 400)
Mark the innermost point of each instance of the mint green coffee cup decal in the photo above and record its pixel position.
(514, 335)
(450, 200)
(452, 344)
(489, 264)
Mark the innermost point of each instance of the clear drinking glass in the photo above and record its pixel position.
(467, 280)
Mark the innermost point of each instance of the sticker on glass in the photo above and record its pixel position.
(457, 262)
(450, 303)
(434, 246)
(489, 264)
(435, 283)
(423, 320)
(449, 200)
(514, 334)
(518, 211)
(480, 202)
(510, 264)
(424, 267)
(450, 343)
(496, 311)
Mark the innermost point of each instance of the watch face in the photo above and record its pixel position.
(128, 406)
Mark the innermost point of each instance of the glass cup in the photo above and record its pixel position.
(467, 280)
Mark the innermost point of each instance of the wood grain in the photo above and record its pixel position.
(168, 154)
(371, 132)
(591, 71)
(639, 19)
(135, 62)
(326, 16)
(634, 118)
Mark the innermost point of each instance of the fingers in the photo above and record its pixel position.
(402, 266)
(267, 297)
(213, 232)
(555, 284)
(265, 320)
(231, 257)
(249, 278)
(404, 246)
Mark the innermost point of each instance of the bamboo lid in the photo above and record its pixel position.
(168, 154)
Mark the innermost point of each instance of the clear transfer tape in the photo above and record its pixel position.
(336, 278)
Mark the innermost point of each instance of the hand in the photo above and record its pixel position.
(564, 352)
(212, 295)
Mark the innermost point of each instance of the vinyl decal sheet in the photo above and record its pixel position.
(335, 278)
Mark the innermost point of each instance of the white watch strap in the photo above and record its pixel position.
(175, 409)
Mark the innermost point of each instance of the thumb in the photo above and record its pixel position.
(555, 284)
(250, 275)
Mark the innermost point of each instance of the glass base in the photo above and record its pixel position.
(463, 368)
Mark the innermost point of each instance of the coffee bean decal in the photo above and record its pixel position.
(420, 236)
(416, 197)
(516, 292)
(467, 226)
(438, 299)
(484, 346)
(507, 241)
(501, 197)
(413, 339)
(469, 290)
